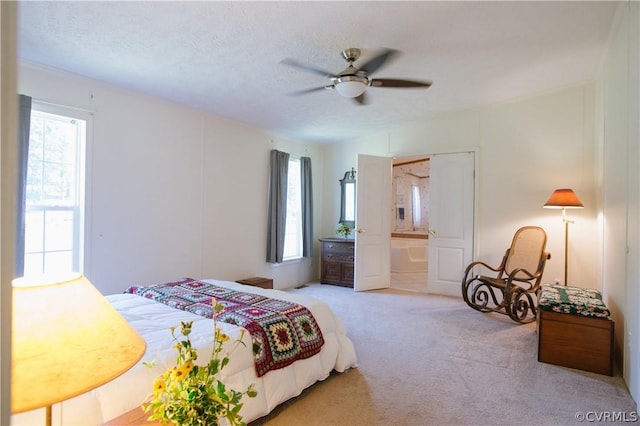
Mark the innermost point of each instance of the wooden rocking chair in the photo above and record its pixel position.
(515, 288)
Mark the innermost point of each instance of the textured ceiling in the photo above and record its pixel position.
(224, 57)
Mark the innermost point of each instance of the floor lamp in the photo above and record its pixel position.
(66, 340)
(564, 199)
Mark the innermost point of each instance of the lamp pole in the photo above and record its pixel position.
(566, 244)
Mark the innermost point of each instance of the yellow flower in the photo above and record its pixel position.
(178, 373)
(159, 385)
(187, 366)
(220, 336)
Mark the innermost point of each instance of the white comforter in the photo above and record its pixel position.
(153, 320)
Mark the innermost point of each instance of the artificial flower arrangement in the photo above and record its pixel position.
(344, 230)
(189, 394)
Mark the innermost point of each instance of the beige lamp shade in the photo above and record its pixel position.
(66, 340)
(563, 198)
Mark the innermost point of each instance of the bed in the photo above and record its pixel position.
(152, 320)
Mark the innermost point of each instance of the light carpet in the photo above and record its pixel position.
(432, 360)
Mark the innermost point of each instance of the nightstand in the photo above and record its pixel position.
(257, 282)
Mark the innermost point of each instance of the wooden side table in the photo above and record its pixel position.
(257, 282)
(135, 417)
(336, 261)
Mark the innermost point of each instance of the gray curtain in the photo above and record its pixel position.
(277, 214)
(24, 128)
(307, 207)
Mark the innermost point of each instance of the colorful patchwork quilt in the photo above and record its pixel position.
(282, 332)
(573, 300)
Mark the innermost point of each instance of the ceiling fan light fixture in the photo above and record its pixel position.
(352, 82)
(351, 86)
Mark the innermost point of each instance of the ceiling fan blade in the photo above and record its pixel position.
(305, 91)
(393, 82)
(314, 70)
(377, 61)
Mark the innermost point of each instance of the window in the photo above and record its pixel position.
(290, 218)
(417, 209)
(54, 216)
(293, 227)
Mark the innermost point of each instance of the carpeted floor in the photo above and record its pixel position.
(431, 360)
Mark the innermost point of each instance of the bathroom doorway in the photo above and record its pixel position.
(410, 223)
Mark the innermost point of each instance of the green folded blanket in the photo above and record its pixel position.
(573, 300)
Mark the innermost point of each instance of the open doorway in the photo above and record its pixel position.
(448, 221)
(410, 223)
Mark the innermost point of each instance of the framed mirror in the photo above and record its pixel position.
(348, 198)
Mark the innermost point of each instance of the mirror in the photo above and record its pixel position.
(348, 199)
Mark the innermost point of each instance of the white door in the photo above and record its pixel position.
(373, 223)
(451, 211)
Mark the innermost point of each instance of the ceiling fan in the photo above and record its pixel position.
(352, 82)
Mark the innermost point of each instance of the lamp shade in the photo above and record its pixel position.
(66, 340)
(563, 198)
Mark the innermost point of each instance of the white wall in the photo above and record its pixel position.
(527, 148)
(618, 145)
(174, 191)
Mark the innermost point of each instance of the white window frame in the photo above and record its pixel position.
(80, 208)
(416, 204)
(293, 228)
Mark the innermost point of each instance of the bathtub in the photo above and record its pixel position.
(409, 255)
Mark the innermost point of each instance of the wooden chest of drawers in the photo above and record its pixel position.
(336, 262)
